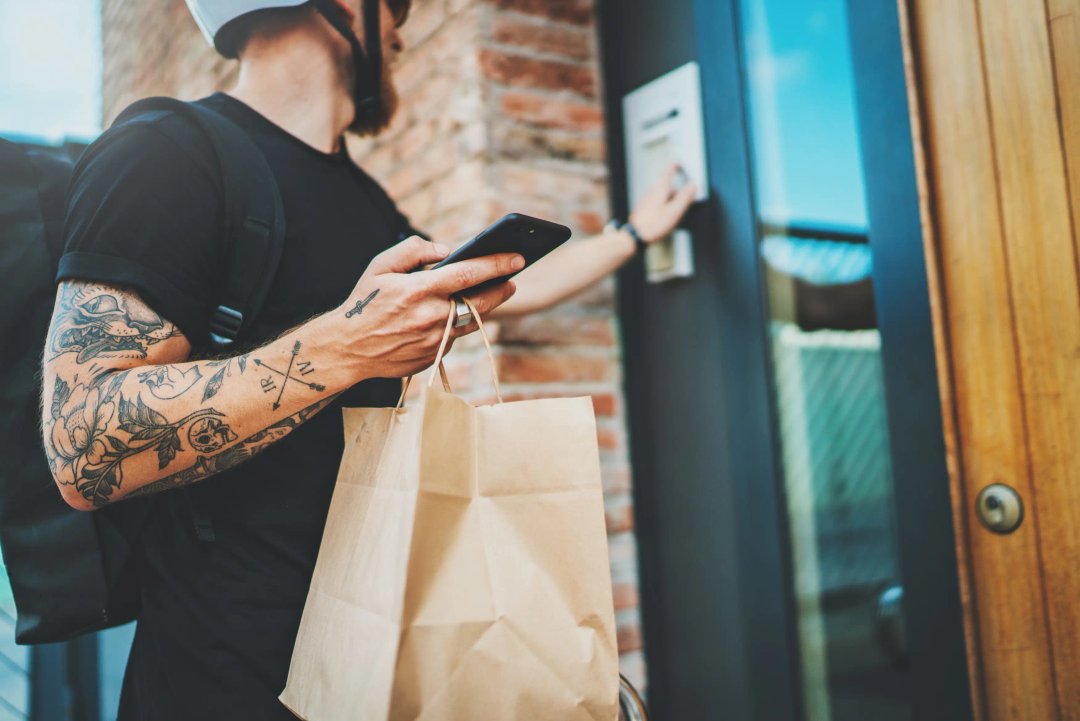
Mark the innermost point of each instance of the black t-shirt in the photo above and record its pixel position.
(219, 618)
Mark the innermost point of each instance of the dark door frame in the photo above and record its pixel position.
(715, 590)
(925, 534)
(713, 550)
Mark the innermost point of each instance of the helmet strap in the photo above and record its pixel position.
(367, 58)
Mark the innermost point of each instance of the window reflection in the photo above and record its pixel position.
(817, 259)
(18, 677)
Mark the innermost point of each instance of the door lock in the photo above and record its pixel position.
(999, 508)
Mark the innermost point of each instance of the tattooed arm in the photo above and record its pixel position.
(124, 410)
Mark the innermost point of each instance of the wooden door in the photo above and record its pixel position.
(995, 87)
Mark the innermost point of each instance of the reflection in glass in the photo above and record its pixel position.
(16, 675)
(14, 660)
(830, 405)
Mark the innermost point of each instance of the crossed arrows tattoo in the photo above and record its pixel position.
(303, 368)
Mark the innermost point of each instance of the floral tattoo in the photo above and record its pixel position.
(88, 453)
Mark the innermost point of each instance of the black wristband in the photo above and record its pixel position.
(639, 242)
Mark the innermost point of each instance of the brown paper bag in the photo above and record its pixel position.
(463, 573)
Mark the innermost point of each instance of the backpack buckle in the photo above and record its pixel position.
(225, 324)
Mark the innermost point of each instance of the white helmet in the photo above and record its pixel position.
(213, 15)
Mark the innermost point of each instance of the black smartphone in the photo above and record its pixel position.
(532, 238)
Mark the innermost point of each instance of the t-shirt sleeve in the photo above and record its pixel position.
(144, 211)
(406, 229)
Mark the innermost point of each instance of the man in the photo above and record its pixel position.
(130, 408)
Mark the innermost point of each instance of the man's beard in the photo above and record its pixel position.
(372, 124)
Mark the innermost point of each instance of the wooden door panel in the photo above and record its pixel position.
(990, 446)
(1038, 232)
(998, 82)
(1065, 38)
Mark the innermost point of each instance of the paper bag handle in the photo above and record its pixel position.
(483, 334)
(408, 380)
(441, 369)
(438, 360)
(487, 345)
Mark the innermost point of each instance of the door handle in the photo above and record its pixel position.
(1000, 508)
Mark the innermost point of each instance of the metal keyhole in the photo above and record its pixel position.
(999, 508)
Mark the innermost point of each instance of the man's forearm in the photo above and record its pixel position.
(210, 465)
(114, 432)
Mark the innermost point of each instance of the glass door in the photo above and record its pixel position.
(792, 507)
(816, 254)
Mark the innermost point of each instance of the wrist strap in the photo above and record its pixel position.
(617, 225)
(639, 242)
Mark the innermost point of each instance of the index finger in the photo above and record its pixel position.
(465, 274)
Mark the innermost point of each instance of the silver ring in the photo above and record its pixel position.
(464, 315)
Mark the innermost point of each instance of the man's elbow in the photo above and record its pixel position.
(74, 498)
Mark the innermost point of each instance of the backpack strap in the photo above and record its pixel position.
(254, 230)
(253, 212)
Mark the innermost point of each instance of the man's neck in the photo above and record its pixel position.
(297, 88)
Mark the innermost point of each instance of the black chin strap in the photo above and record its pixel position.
(367, 65)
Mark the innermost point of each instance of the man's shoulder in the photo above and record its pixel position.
(168, 142)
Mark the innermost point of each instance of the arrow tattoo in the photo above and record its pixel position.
(313, 386)
(361, 304)
(288, 374)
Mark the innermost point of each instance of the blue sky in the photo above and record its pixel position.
(50, 68)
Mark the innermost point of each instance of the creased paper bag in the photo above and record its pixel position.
(463, 573)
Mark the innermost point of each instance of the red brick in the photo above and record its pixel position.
(532, 368)
(415, 139)
(528, 180)
(619, 519)
(628, 638)
(625, 596)
(460, 376)
(418, 206)
(603, 403)
(589, 222)
(616, 480)
(530, 72)
(530, 205)
(553, 329)
(440, 159)
(526, 142)
(556, 40)
(464, 185)
(377, 161)
(420, 27)
(552, 113)
(607, 439)
(589, 148)
(601, 295)
(578, 12)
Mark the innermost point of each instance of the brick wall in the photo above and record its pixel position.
(500, 112)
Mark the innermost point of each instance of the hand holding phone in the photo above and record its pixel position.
(530, 237)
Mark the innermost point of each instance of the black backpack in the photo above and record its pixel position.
(71, 572)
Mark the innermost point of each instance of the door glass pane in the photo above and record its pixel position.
(14, 660)
(816, 255)
(16, 675)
